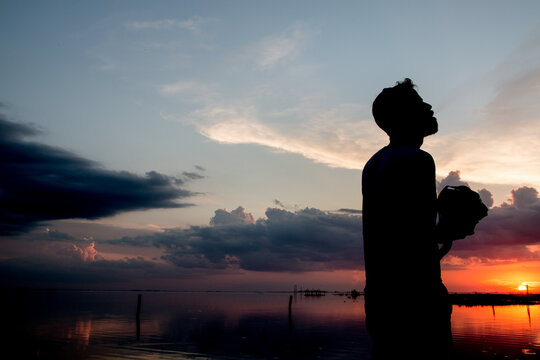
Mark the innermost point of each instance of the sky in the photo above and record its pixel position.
(220, 144)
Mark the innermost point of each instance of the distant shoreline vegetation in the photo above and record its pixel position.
(460, 299)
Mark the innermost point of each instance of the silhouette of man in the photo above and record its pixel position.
(407, 311)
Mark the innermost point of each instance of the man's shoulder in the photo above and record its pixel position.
(390, 161)
(389, 154)
(375, 157)
(421, 154)
(410, 153)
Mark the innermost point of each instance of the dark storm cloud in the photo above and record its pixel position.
(41, 183)
(73, 272)
(192, 175)
(350, 211)
(305, 240)
(55, 235)
(510, 232)
(311, 239)
(79, 263)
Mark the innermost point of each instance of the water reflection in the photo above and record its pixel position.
(75, 325)
(492, 331)
(80, 334)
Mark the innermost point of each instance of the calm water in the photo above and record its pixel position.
(102, 325)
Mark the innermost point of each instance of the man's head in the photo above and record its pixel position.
(401, 112)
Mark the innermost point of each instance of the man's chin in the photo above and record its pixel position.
(432, 127)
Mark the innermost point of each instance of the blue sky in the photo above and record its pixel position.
(269, 101)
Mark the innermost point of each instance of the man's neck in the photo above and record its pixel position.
(407, 141)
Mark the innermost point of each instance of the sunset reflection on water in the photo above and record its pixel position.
(74, 325)
(511, 329)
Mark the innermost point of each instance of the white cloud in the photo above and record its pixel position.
(453, 179)
(103, 62)
(504, 147)
(192, 24)
(336, 137)
(234, 217)
(274, 49)
(193, 91)
(156, 24)
(181, 87)
(501, 149)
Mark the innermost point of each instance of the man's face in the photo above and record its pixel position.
(422, 115)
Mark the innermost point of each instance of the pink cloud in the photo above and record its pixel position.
(84, 253)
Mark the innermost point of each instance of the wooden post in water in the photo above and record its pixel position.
(290, 312)
(138, 316)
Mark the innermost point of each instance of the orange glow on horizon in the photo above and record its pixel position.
(494, 278)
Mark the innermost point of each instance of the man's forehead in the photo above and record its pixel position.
(416, 96)
(413, 97)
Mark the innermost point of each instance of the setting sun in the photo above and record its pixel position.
(524, 287)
